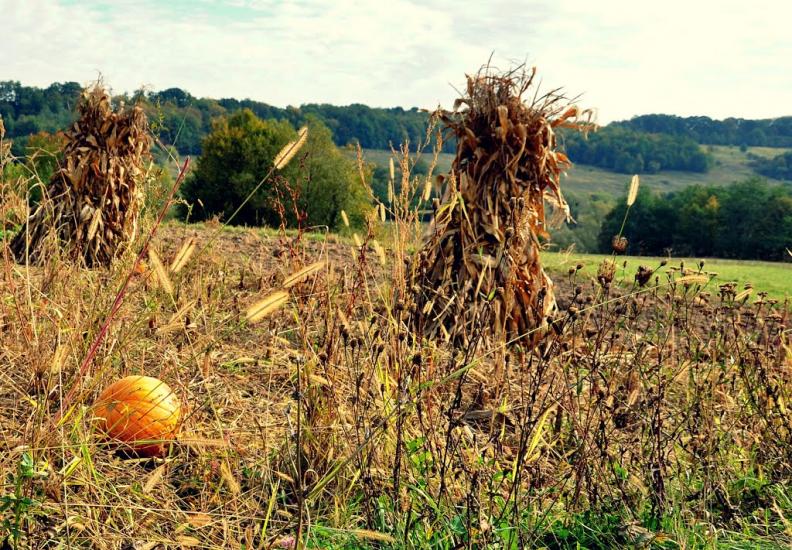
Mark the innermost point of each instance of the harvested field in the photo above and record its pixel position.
(650, 411)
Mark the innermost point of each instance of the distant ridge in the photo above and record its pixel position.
(183, 119)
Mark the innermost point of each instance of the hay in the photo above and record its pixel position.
(479, 270)
(92, 201)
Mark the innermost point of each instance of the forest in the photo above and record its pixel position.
(749, 219)
(776, 132)
(644, 144)
(632, 152)
(183, 120)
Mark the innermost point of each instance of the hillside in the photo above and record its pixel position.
(651, 145)
(729, 165)
(592, 192)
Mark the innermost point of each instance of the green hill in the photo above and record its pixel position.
(592, 192)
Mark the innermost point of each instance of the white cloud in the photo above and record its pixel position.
(720, 58)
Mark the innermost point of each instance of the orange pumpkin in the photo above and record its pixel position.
(141, 412)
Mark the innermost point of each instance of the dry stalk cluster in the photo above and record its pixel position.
(481, 255)
(92, 202)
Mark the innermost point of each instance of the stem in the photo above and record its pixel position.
(119, 299)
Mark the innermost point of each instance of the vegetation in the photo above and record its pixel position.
(630, 152)
(29, 110)
(779, 167)
(654, 414)
(775, 278)
(776, 132)
(647, 421)
(593, 192)
(748, 220)
(43, 152)
(183, 120)
(241, 150)
(93, 196)
(481, 255)
(381, 179)
(645, 144)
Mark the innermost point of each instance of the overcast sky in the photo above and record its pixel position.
(624, 57)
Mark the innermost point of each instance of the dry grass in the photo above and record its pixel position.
(652, 414)
(324, 417)
(636, 404)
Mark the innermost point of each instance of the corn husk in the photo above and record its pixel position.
(93, 200)
(479, 266)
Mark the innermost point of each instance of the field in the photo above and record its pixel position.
(645, 421)
(403, 385)
(771, 277)
(729, 165)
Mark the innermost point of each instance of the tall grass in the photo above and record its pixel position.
(655, 413)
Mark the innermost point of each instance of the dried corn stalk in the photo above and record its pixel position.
(92, 202)
(479, 267)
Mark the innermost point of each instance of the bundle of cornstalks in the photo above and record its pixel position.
(91, 204)
(478, 272)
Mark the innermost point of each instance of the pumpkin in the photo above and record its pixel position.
(140, 412)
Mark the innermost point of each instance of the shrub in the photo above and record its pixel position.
(239, 153)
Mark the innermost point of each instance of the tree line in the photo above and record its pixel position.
(182, 120)
(631, 152)
(746, 220)
(775, 132)
(644, 144)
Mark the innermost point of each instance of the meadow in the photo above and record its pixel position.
(642, 421)
(314, 401)
(729, 164)
(774, 278)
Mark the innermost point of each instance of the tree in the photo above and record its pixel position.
(327, 181)
(648, 228)
(779, 167)
(239, 153)
(44, 150)
(628, 151)
(746, 220)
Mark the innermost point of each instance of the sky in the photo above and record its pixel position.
(623, 58)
